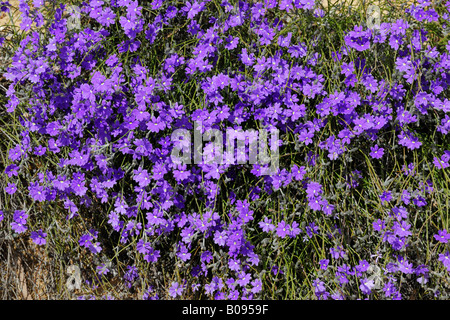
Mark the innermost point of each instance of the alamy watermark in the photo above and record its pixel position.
(74, 19)
(373, 17)
(241, 146)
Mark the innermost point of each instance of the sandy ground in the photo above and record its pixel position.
(5, 19)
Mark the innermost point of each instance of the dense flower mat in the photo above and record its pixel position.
(357, 207)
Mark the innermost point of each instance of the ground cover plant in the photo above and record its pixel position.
(356, 208)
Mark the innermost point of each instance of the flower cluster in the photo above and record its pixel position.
(104, 101)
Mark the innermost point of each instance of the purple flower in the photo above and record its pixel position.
(294, 230)
(175, 289)
(337, 296)
(376, 152)
(363, 266)
(337, 252)
(442, 236)
(232, 42)
(234, 295)
(26, 23)
(422, 270)
(282, 229)
(11, 188)
(285, 41)
(395, 41)
(370, 83)
(20, 216)
(266, 225)
(142, 246)
(327, 208)
(358, 39)
(85, 240)
(206, 256)
(400, 212)
(256, 286)
(15, 153)
(95, 247)
(401, 229)
(315, 203)
(348, 68)
(379, 225)
(440, 164)
(399, 27)
(12, 170)
(406, 139)
(78, 184)
(234, 264)
(192, 9)
(341, 277)
(20, 220)
(243, 279)
(311, 229)
(324, 264)
(389, 289)
(445, 259)
(406, 197)
(183, 253)
(420, 201)
(276, 270)
(246, 59)
(61, 183)
(18, 227)
(147, 296)
(313, 189)
(257, 11)
(220, 237)
(131, 274)
(210, 288)
(385, 197)
(234, 241)
(319, 289)
(4, 6)
(142, 177)
(151, 255)
(366, 285)
(405, 266)
(403, 64)
(73, 209)
(40, 150)
(38, 237)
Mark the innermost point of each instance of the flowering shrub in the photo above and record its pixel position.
(358, 207)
